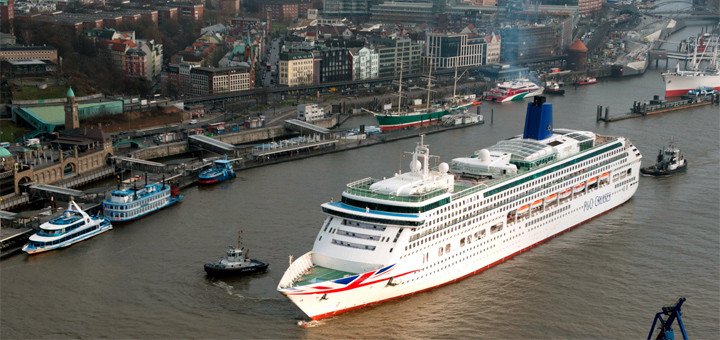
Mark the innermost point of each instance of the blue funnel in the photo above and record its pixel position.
(538, 120)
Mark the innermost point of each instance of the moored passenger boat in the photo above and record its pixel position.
(222, 170)
(425, 228)
(131, 202)
(74, 225)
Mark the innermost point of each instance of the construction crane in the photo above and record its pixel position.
(666, 332)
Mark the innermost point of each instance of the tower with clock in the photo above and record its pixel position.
(72, 120)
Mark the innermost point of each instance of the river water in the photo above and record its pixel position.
(605, 279)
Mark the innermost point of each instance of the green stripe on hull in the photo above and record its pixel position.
(520, 97)
(410, 119)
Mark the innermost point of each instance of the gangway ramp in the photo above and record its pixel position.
(139, 164)
(299, 125)
(51, 190)
(211, 144)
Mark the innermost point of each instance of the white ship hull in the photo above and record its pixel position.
(679, 83)
(406, 275)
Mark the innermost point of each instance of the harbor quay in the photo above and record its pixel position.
(17, 227)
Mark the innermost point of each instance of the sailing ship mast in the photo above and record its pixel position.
(400, 87)
(427, 104)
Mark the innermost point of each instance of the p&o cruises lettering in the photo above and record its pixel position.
(596, 201)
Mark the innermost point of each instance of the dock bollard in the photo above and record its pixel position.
(607, 114)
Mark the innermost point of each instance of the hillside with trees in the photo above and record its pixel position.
(84, 67)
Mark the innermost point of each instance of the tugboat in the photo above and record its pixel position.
(222, 171)
(235, 262)
(586, 81)
(669, 161)
(554, 88)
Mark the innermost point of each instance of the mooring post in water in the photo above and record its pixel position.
(492, 115)
(607, 114)
(598, 114)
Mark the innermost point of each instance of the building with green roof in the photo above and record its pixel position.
(49, 118)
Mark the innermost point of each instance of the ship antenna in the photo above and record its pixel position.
(239, 244)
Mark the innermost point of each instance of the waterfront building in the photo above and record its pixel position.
(493, 49)
(392, 52)
(212, 80)
(295, 68)
(448, 50)
(334, 64)
(364, 63)
(535, 42)
(310, 112)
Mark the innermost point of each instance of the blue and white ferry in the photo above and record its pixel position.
(131, 202)
(73, 226)
(223, 170)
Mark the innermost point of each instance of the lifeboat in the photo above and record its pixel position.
(553, 197)
(605, 176)
(537, 204)
(565, 193)
(592, 181)
(580, 186)
(523, 210)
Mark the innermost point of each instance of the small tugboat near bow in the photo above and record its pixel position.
(669, 161)
(235, 262)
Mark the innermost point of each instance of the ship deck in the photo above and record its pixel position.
(320, 274)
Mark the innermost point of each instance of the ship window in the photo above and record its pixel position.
(440, 251)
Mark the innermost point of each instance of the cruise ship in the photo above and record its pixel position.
(131, 202)
(424, 228)
(73, 226)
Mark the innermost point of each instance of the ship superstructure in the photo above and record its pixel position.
(428, 227)
(679, 81)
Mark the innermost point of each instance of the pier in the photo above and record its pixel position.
(657, 106)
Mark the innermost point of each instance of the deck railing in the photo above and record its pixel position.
(362, 188)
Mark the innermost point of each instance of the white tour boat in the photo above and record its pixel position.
(425, 228)
(74, 225)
